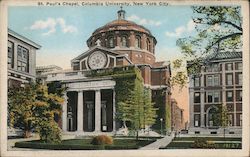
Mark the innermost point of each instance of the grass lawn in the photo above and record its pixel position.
(85, 144)
(219, 142)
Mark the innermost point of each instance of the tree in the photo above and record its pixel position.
(224, 118)
(33, 107)
(21, 108)
(219, 28)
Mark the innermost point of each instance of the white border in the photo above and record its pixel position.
(160, 153)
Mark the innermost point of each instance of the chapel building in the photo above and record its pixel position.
(90, 102)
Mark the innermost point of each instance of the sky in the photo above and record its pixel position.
(63, 31)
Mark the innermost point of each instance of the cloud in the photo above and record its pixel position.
(143, 21)
(189, 27)
(50, 25)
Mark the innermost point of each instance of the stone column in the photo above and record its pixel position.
(191, 104)
(118, 39)
(64, 112)
(202, 94)
(80, 111)
(143, 42)
(97, 111)
(114, 109)
(132, 39)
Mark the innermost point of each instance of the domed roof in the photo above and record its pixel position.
(121, 24)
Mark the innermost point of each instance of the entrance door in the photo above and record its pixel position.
(104, 116)
(90, 114)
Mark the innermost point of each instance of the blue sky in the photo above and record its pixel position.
(62, 31)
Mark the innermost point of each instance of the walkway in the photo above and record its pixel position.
(159, 143)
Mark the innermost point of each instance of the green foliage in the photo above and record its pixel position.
(203, 143)
(219, 28)
(33, 107)
(85, 144)
(102, 140)
(21, 108)
(133, 103)
(49, 131)
(149, 113)
(168, 117)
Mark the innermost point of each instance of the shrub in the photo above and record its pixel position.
(49, 132)
(102, 140)
(203, 143)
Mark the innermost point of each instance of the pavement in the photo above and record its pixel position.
(159, 143)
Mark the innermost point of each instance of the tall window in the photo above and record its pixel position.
(197, 81)
(111, 42)
(137, 42)
(216, 96)
(10, 54)
(196, 120)
(229, 95)
(216, 80)
(209, 96)
(197, 97)
(210, 80)
(216, 67)
(239, 78)
(239, 95)
(229, 66)
(148, 45)
(229, 79)
(22, 59)
(124, 41)
(238, 66)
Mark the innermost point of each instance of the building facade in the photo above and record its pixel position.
(90, 102)
(219, 83)
(177, 119)
(21, 59)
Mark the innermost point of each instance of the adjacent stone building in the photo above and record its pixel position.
(90, 102)
(21, 59)
(177, 119)
(218, 83)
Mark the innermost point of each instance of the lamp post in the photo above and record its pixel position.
(161, 126)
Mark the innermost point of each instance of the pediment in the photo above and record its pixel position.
(92, 50)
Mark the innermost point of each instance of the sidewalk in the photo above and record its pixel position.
(159, 143)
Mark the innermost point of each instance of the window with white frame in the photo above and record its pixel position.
(216, 80)
(238, 66)
(210, 80)
(10, 54)
(196, 81)
(209, 97)
(197, 97)
(229, 79)
(229, 66)
(137, 42)
(229, 96)
(22, 59)
(216, 96)
(239, 78)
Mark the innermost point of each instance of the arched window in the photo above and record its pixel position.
(148, 45)
(124, 41)
(111, 42)
(137, 42)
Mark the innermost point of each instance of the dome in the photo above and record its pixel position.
(125, 37)
(121, 24)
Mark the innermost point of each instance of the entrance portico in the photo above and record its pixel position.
(89, 107)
